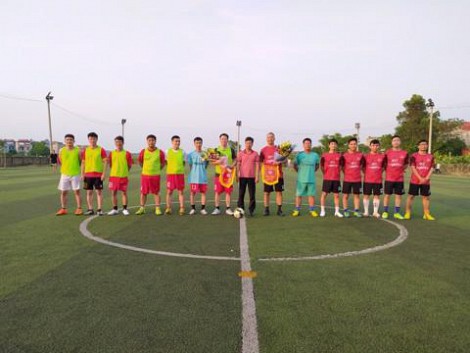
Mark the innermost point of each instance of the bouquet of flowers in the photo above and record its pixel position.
(283, 151)
(210, 154)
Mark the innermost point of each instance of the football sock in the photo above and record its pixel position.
(193, 207)
(376, 204)
(397, 209)
(366, 205)
(385, 208)
(115, 208)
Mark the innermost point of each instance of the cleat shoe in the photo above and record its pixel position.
(216, 212)
(181, 211)
(357, 214)
(158, 211)
(266, 212)
(314, 213)
(140, 211)
(203, 212)
(280, 213)
(89, 213)
(252, 213)
(338, 214)
(346, 214)
(398, 216)
(385, 215)
(192, 212)
(295, 213)
(100, 213)
(125, 212)
(229, 212)
(366, 214)
(113, 212)
(407, 215)
(322, 214)
(376, 215)
(428, 217)
(168, 211)
(78, 212)
(61, 212)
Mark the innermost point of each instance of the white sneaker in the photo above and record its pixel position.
(229, 212)
(376, 215)
(203, 212)
(366, 214)
(125, 212)
(113, 212)
(322, 214)
(216, 212)
(192, 212)
(338, 214)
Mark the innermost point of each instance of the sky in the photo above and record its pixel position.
(193, 68)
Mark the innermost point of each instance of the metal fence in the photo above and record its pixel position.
(18, 161)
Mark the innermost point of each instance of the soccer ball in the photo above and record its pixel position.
(238, 213)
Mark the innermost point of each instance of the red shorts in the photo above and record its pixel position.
(202, 188)
(118, 184)
(218, 188)
(175, 182)
(149, 184)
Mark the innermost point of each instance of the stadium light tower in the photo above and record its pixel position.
(48, 99)
(123, 121)
(357, 127)
(430, 105)
(239, 125)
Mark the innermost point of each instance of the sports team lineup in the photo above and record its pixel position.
(346, 174)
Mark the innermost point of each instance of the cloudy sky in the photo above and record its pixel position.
(298, 68)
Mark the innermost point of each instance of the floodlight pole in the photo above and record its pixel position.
(123, 121)
(430, 105)
(48, 99)
(239, 125)
(357, 126)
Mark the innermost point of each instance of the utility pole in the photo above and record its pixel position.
(123, 121)
(430, 105)
(48, 99)
(239, 125)
(357, 126)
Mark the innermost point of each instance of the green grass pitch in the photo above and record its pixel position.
(61, 292)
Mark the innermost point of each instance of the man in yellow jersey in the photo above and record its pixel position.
(175, 158)
(120, 162)
(69, 160)
(224, 150)
(94, 161)
(152, 161)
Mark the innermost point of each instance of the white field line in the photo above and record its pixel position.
(400, 239)
(85, 232)
(250, 342)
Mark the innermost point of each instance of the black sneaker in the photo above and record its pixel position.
(251, 214)
(280, 213)
(89, 213)
(100, 213)
(266, 212)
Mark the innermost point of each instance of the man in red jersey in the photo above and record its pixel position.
(330, 168)
(351, 162)
(373, 169)
(396, 161)
(422, 166)
(267, 157)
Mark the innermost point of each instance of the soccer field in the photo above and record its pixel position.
(63, 292)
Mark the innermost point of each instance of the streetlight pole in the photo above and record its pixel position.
(430, 105)
(239, 125)
(123, 121)
(48, 99)
(357, 126)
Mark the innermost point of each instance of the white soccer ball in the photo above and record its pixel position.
(238, 213)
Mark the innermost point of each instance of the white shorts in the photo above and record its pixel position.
(69, 182)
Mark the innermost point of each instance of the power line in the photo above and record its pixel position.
(20, 98)
(95, 121)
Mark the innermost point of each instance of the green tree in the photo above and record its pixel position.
(453, 146)
(342, 141)
(39, 149)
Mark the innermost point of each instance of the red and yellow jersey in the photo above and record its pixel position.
(69, 160)
(120, 162)
(175, 161)
(93, 159)
(152, 161)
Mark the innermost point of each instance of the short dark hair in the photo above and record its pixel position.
(174, 137)
(333, 140)
(69, 135)
(374, 142)
(307, 139)
(223, 134)
(422, 140)
(249, 138)
(352, 139)
(120, 138)
(92, 134)
(395, 136)
(151, 136)
(198, 139)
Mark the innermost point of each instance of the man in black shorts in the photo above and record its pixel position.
(53, 159)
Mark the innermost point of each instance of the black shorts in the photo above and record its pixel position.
(372, 188)
(355, 187)
(419, 189)
(394, 187)
(279, 187)
(333, 186)
(90, 183)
